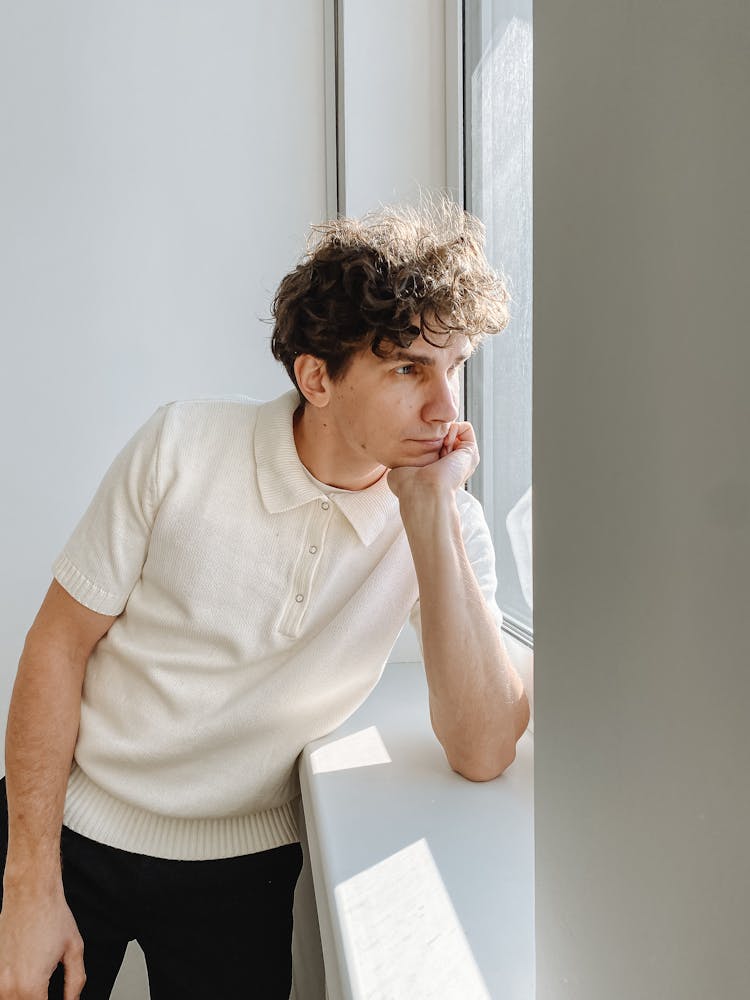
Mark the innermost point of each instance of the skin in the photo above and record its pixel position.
(37, 929)
(398, 416)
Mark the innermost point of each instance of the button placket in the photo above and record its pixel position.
(306, 568)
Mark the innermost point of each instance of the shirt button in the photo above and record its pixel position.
(313, 549)
(299, 598)
(325, 505)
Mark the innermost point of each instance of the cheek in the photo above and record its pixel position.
(401, 405)
(358, 431)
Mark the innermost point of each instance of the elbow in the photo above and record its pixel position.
(524, 716)
(486, 769)
(492, 761)
(473, 772)
(488, 758)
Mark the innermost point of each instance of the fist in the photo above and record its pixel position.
(455, 462)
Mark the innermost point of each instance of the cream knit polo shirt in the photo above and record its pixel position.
(256, 612)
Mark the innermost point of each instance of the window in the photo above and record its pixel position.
(498, 181)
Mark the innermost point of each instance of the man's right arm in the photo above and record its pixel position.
(37, 929)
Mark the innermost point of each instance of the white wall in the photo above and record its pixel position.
(642, 499)
(161, 165)
(394, 82)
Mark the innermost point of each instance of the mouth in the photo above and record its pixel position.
(429, 442)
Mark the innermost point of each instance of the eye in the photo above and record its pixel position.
(405, 369)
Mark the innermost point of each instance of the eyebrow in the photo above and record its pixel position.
(423, 359)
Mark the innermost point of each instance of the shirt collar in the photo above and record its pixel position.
(284, 483)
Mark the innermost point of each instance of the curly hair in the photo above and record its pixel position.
(362, 282)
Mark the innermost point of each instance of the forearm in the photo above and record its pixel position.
(41, 735)
(477, 704)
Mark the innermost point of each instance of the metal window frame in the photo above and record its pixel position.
(478, 398)
(334, 96)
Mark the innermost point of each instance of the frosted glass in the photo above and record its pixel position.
(498, 128)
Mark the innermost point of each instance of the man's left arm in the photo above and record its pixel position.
(478, 706)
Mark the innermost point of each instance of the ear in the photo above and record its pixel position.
(312, 378)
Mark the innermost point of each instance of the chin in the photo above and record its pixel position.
(417, 462)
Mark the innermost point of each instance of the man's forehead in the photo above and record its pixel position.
(456, 344)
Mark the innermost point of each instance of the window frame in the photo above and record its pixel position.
(477, 384)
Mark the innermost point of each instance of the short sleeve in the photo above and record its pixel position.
(481, 553)
(104, 556)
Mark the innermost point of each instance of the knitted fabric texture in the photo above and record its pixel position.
(256, 613)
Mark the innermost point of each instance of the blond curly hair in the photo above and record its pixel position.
(362, 282)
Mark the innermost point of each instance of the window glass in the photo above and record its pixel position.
(498, 179)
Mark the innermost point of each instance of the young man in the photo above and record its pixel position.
(231, 594)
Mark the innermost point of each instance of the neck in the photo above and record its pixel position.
(323, 455)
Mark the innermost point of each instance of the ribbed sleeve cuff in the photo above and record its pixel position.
(83, 590)
(96, 814)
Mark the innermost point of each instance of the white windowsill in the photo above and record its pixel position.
(423, 880)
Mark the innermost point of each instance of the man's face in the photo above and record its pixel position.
(395, 411)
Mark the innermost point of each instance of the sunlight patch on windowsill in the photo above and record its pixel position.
(402, 934)
(362, 749)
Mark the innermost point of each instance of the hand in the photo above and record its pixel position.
(37, 931)
(455, 462)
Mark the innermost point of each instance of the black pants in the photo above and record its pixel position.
(209, 929)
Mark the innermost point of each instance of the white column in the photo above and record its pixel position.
(641, 499)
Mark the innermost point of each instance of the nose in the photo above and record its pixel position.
(441, 404)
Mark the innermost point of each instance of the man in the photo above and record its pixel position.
(232, 593)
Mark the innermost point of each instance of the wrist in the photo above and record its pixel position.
(431, 513)
(21, 886)
(418, 494)
(36, 871)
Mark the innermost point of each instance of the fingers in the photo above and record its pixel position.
(465, 432)
(75, 973)
(460, 434)
(448, 441)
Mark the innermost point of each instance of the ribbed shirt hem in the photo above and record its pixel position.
(96, 814)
